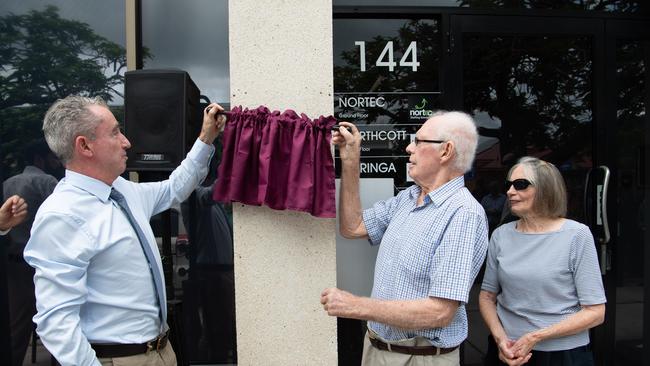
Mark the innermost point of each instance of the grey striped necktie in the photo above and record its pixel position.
(148, 252)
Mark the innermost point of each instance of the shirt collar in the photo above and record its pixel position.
(439, 195)
(91, 185)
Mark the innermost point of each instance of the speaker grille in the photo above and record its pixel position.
(160, 118)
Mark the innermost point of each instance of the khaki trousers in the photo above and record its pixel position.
(164, 357)
(376, 357)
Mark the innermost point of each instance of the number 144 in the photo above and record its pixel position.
(387, 53)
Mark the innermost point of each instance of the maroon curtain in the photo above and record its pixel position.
(282, 160)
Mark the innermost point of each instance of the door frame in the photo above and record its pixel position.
(617, 29)
(604, 29)
(602, 337)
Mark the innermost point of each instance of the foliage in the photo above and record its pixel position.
(539, 87)
(347, 77)
(44, 57)
(624, 6)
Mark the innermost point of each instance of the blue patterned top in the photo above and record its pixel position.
(542, 278)
(434, 250)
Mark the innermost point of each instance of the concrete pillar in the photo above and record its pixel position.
(281, 57)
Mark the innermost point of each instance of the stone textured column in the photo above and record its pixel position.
(281, 57)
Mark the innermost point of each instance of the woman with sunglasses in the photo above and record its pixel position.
(542, 290)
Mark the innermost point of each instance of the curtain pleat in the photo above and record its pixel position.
(279, 159)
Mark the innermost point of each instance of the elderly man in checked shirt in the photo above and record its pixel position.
(433, 238)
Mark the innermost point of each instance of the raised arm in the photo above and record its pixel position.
(350, 214)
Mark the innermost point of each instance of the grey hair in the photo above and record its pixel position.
(68, 118)
(458, 127)
(550, 195)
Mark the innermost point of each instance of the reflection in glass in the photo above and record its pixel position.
(531, 96)
(631, 161)
(47, 53)
(378, 56)
(622, 6)
(614, 6)
(191, 36)
(45, 57)
(386, 81)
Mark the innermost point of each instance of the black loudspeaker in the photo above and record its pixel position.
(162, 118)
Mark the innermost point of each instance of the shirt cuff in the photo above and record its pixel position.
(200, 150)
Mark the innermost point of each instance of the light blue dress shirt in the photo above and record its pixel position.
(93, 282)
(432, 250)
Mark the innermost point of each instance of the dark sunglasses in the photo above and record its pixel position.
(519, 184)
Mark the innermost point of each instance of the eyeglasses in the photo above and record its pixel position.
(519, 184)
(416, 141)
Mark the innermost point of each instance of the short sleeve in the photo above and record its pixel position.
(490, 278)
(454, 268)
(377, 218)
(586, 271)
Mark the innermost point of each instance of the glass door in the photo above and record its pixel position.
(572, 91)
(628, 55)
(529, 83)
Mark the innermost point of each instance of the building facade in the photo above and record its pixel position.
(566, 81)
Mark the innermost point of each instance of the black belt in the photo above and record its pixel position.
(124, 350)
(410, 350)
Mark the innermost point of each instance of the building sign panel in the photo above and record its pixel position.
(386, 82)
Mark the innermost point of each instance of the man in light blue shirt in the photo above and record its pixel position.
(96, 294)
(433, 239)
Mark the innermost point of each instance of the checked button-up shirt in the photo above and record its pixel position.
(432, 250)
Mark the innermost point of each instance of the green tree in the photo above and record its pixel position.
(539, 87)
(44, 57)
(624, 6)
(347, 77)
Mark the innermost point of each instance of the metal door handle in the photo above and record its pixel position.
(606, 235)
(601, 219)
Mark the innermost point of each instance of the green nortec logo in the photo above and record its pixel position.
(419, 112)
